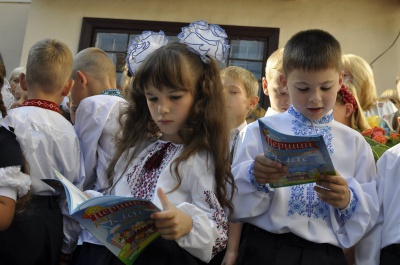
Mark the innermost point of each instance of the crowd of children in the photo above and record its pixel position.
(177, 136)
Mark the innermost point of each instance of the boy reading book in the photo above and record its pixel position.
(313, 221)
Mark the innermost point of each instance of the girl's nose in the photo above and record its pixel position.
(163, 108)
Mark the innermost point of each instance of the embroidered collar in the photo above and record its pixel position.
(112, 92)
(304, 126)
(296, 114)
(41, 103)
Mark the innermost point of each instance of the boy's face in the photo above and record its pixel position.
(278, 96)
(313, 93)
(237, 101)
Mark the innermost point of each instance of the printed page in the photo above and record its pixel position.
(305, 156)
(122, 224)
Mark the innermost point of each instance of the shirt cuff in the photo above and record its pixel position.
(346, 213)
(259, 187)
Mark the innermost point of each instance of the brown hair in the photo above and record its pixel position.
(174, 66)
(312, 50)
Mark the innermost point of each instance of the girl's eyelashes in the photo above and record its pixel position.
(151, 99)
(176, 97)
(326, 88)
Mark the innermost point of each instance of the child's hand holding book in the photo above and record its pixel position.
(268, 171)
(334, 190)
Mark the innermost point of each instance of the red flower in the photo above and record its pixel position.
(380, 138)
(378, 131)
(367, 132)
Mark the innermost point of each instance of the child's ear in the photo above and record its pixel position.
(349, 109)
(253, 101)
(264, 84)
(22, 82)
(67, 88)
(82, 78)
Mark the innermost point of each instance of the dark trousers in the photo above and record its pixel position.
(390, 255)
(35, 236)
(261, 247)
(160, 252)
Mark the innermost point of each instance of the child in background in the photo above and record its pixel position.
(174, 148)
(389, 194)
(278, 96)
(348, 111)
(309, 223)
(14, 183)
(241, 88)
(48, 141)
(359, 73)
(97, 103)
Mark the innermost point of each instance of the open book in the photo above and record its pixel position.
(122, 224)
(305, 156)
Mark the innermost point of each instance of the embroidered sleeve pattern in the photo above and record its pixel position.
(220, 220)
(347, 212)
(259, 187)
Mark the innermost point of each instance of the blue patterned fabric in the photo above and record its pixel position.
(259, 187)
(347, 213)
(112, 92)
(304, 126)
(305, 202)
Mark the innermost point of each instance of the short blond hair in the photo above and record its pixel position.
(274, 63)
(248, 79)
(363, 80)
(49, 65)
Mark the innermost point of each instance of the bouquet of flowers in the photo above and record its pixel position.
(378, 138)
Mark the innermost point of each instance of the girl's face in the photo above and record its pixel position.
(313, 93)
(169, 108)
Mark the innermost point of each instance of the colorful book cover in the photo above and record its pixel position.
(122, 224)
(305, 156)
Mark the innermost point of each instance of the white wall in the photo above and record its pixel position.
(13, 19)
(364, 27)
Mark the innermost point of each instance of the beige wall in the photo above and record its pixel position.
(364, 27)
(13, 19)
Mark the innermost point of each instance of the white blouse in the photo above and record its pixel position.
(298, 209)
(196, 194)
(14, 183)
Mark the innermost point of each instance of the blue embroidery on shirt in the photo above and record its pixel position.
(304, 126)
(259, 187)
(113, 92)
(346, 214)
(305, 202)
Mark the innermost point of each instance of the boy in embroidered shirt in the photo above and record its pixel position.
(241, 88)
(310, 220)
(272, 87)
(48, 141)
(97, 103)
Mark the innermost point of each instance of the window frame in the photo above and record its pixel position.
(91, 26)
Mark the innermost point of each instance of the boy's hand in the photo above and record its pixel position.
(267, 171)
(172, 223)
(335, 190)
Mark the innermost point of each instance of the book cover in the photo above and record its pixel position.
(305, 156)
(122, 224)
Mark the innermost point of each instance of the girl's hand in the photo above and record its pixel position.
(266, 170)
(172, 223)
(335, 190)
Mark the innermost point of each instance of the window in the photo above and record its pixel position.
(250, 46)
